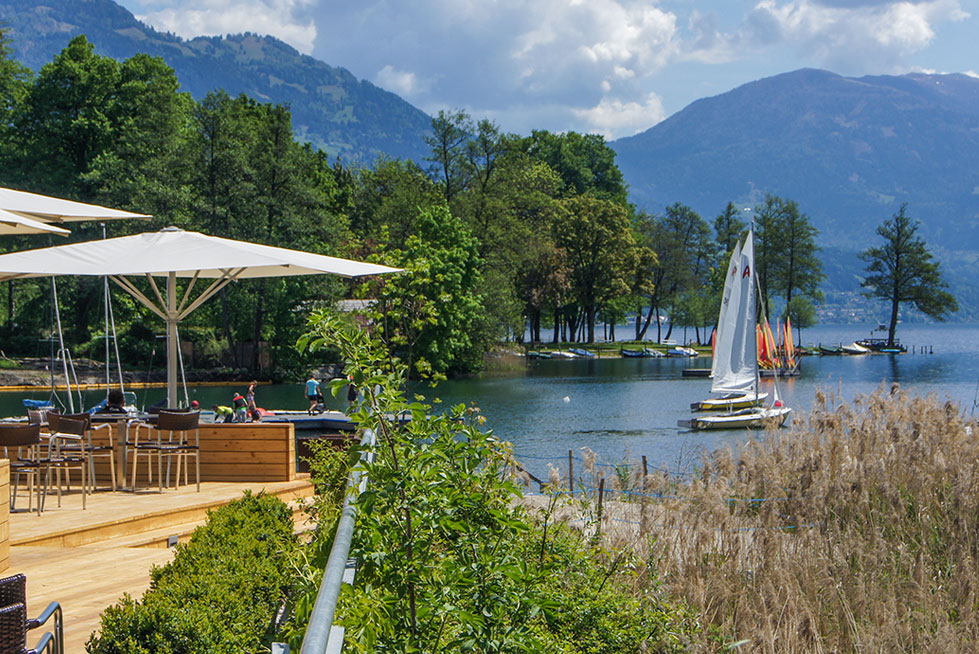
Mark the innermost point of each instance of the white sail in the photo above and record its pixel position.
(718, 364)
(735, 353)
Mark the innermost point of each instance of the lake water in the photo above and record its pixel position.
(626, 408)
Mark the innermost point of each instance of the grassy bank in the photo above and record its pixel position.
(857, 530)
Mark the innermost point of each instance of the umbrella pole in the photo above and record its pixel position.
(172, 340)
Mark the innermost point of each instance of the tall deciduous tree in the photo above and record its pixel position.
(64, 122)
(785, 252)
(902, 270)
(596, 236)
(449, 149)
(14, 80)
(728, 227)
(430, 316)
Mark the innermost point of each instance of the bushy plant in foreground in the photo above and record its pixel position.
(448, 561)
(220, 592)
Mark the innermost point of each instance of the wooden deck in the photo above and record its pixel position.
(86, 559)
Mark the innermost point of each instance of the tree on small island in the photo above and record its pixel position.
(903, 271)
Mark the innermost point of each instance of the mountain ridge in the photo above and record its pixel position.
(331, 108)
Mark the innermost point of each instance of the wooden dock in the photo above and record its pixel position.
(86, 559)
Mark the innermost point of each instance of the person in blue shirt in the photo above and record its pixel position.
(312, 392)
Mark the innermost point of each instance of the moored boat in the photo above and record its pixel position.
(734, 371)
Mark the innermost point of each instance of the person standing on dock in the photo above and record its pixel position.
(251, 407)
(239, 404)
(312, 392)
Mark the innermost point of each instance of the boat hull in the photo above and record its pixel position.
(729, 402)
(744, 419)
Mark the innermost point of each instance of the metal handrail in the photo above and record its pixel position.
(320, 626)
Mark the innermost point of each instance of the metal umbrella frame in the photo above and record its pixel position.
(173, 253)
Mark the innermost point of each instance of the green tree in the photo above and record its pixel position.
(430, 316)
(729, 229)
(14, 80)
(449, 148)
(585, 163)
(803, 315)
(902, 270)
(785, 252)
(682, 242)
(595, 235)
(64, 124)
(147, 165)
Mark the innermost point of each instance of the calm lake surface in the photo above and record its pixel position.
(626, 408)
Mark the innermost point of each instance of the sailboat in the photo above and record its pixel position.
(734, 370)
(721, 370)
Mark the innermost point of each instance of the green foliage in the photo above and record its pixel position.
(597, 240)
(903, 271)
(785, 251)
(449, 562)
(220, 592)
(430, 316)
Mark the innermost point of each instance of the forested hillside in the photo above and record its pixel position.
(331, 108)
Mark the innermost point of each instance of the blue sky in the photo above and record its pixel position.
(616, 67)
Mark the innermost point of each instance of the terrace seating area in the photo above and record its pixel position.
(105, 541)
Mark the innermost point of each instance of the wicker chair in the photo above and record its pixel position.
(22, 446)
(170, 437)
(14, 623)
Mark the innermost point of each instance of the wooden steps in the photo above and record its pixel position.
(86, 559)
(192, 512)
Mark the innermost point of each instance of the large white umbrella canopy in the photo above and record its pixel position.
(173, 253)
(55, 210)
(11, 223)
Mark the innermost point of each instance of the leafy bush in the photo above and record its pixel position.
(448, 560)
(220, 592)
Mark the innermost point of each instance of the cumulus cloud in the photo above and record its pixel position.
(852, 37)
(612, 117)
(287, 20)
(582, 61)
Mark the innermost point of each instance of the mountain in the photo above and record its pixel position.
(848, 150)
(330, 107)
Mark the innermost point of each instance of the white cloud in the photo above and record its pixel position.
(283, 19)
(613, 118)
(404, 83)
(852, 37)
(507, 56)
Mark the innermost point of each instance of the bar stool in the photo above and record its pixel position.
(169, 437)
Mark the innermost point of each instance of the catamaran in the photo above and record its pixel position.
(734, 370)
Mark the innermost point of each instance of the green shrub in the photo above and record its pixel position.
(449, 561)
(220, 592)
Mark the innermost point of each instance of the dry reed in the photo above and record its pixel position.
(856, 530)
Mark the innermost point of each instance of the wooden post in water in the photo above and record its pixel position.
(601, 497)
(642, 498)
(570, 472)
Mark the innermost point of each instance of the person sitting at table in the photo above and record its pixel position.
(114, 402)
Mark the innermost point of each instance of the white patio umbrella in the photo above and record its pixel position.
(174, 253)
(55, 210)
(11, 223)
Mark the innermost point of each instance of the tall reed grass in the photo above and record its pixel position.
(855, 530)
